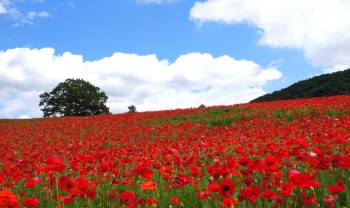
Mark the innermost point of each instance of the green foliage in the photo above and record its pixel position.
(132, 109)
(74, 97)
(320, 86)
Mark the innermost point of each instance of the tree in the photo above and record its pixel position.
(74, 97)
(132, 109)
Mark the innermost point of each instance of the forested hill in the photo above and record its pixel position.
(337, 83)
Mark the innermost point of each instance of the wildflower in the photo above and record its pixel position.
(90, 194)
(203, 194)
(227, 187)
(329, 200)
(112, 195)
(286, 189)
(305, 180)
(31, 202)
(271, 163)
(105, 166)
(151, 201)
(150, 185)
(312, 154)
(142, 170)
(127, 198)
(82, 184)
(229, 202)
(182, 180)
(67, 199)
(292, 173)
(195, 172)
(308, 200)
(344, 162)
(30, 183)
(174, 200)
(268, 194)
(139, 201)
(251, 193)
(336, 189)
(67, 184)
(55, 164)
(214, 187)
(8, 199)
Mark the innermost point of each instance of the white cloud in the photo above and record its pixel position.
(23, 117)
(16, 13)
(3, 9)
(144, 81)
(4, 6)
(335, 69)
(33, 15)
(320, 28)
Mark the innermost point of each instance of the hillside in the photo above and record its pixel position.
(288, 153)
(337, 83)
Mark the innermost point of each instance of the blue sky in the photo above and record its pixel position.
(159, 54)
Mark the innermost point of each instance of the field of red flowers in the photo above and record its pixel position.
(275, 154)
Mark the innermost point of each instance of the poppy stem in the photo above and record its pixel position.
(57, 175)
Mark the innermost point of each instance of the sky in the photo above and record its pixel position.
(167, 54)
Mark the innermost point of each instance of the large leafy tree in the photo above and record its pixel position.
(74, 97)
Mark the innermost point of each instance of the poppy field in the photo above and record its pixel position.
(293, 153)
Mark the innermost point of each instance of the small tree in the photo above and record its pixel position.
(74, 97)
(132, 109)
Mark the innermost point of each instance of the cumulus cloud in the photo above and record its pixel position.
(317, 27)
(144, 81)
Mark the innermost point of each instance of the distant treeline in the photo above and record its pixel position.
(337, 83)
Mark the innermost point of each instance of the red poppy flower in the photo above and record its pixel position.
(55, 164)
(203, 194)
(344, 162)
(150, 185)
(336, 189)
(214, 187)
(268, 194)
(195, 172)
(271, 163)
(30, 183)
(90, 194)
(127, 183)
(286, 189)
(227, 187)
(142, 170)
(174, 200)
(229, 202)
(304, 181)
(82, 184)
(105, 166)
(308, 200)
(8, 199)
(251, 193)
(31, 202)
(127, 198)
(112, 195)
(329, 200)
(151, 201)
(67, 184)
(67, 199)
(181, 181)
